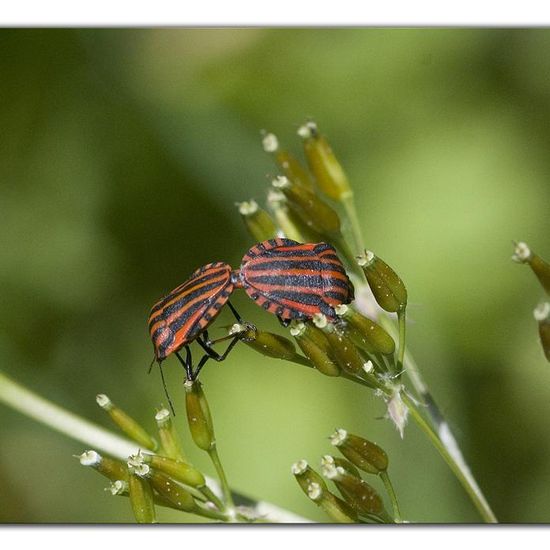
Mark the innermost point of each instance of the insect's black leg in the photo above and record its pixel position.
(284, 322)
(235, 312)
(212, 353)
(188, 363)
(203, 360)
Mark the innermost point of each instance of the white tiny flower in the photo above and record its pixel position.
(368, 367)
(320, 320)
(299, 467)
(89, 458)
(103, 401)
(338, 437)
(542, 312)
(280, 182)
(314, 491)
(270, 143)
(248, 208)
(522, 253)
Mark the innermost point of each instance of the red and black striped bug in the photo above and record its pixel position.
(183, 316)
(294, 280)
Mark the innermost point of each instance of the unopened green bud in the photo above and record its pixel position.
(364, 332)
(316, 348)
(180, 471)
(523, 254)
(329, 460)
(198, 416)
(292, 226)
(109, 467)
(360, 495)
(141, 498)
(257, 221)
(127, 424)
(343, 349)
(305, 475)
(328, 172)
(270, 344)
(314, 212)
(171, 491)
(364, 454)
(169, 438)
(542, 315)
(388, 289)
(291, 166)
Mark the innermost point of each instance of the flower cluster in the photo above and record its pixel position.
(360, 502)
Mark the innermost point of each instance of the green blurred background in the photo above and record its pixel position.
(122, 153)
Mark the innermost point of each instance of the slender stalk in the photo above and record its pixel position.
(212, 497)
(393, 497)
(464, 476)
(401, 319)
(229, 504)
(351, 213)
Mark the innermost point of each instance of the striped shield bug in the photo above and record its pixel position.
(294, 280)
(184, 314)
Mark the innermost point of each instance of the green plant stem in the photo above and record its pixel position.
(212, 497)
(401, 319)
(351, 212)
(393, 497)
(215, 458)
(473, 491)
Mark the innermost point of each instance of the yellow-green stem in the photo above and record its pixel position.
(214, 457)
(351, 213)
(401, 318)
(475, 495)
(393, 497)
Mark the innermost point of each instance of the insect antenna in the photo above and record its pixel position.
(166, 390)
(151, 365)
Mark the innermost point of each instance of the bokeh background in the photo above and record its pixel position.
(122, 154)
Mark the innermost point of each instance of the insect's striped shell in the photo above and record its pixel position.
(183, 314)
(295, 281)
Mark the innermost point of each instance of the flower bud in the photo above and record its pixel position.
(358, 493)
(109, 467)
(171, 491)
(315, 488)
(328, 172)
(141, 498)
(290, 165)
(343, 349)
(198, 416)
(542, 315)
(364, 332)
(329, 460)
(315, 347)
(364, 454)
(305, 475)
(270, 344)
(523, 254)
(180, 471)
(313, 211)
(388, 289)
(169, 438)
(258, 222)
(127, 424)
